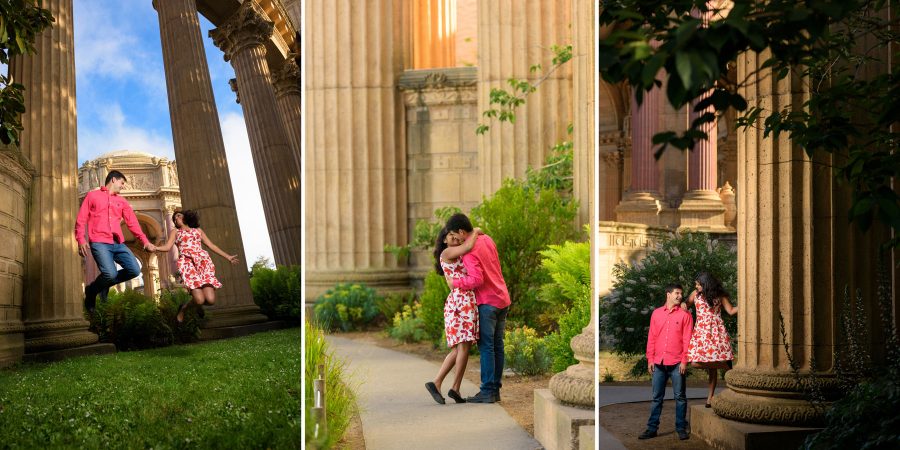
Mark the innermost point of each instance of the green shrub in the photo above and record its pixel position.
(526, 353)
(340, 401)
(523, 220)
(131, 321)
(346, 307)
(639, 289)
(566, 299)
(407, 325)
(188, 330)
(570, 325)
(391, 304)
(862, 419)
(277, 292)
(431, 306)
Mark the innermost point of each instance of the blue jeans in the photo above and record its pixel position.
(660, 375)
(106, 256)
(492, 326)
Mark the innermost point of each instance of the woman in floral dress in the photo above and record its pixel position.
(460, 313)
(710, 346)
(196, 267)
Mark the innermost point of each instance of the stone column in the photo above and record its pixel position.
(702, 208)
(433, 33)
(513, 35)
(53, 294)
(583, 138)
(197, 135)
(355, 143)
(15, 178)
(172, 257)
(796, 254)
(242, 39)
(641, 204)
(287, 95)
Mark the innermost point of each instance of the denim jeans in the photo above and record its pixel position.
(492, 325)
(106, 256)
(661, 374)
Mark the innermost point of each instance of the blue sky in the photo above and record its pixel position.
(122, 102)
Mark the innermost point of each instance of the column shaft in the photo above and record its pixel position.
(644, 124)
(355, 143)
(203, 176)
(287, 95)
(513, 35)
(242, 38)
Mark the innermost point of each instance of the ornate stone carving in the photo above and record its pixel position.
(248, 26)
(780, 384)
(143, 182)
(232, 83)
(286, 79)
(768, 410)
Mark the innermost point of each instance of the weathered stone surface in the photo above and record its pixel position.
(725, 434)
(561, 427)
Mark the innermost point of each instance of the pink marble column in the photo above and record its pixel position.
(702, 162)
(644, 124)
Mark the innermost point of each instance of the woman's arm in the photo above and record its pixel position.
(731, 310)
(169, 243)
(451, 253)
(231, 258)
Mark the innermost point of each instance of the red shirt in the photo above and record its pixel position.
(103, 212)
(670, 334)
(483, 274)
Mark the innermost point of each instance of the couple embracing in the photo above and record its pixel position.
(475, 310)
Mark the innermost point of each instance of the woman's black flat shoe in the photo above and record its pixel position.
(708, 405)
(455, 396)
(435, 394)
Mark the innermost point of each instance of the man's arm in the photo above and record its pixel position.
(81, 219)
(687, 330)
(474, 273)
(132, 223)
(651, 344)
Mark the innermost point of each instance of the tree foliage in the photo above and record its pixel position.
(20, 22)
(842, 51)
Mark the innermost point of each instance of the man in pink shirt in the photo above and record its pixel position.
(483, 275)
(667, 347)
(103, 210)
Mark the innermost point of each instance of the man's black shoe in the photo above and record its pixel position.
(647, 434)
(497, 396)
(482, 397)
(682, 435)
(90, 298)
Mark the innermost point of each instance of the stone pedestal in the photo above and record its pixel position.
(727, 434)
(242, 38)
(53, 291)
(702, 210)
(15, 179)
(512, 36)
(616, 242)
(203, 176)
(560, 426)
(355, 172)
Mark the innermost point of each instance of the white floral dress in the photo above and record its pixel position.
(710, 341)
(460, 309)
(196, 267)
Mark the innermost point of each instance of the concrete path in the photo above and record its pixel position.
(398, 413)
(611, 395)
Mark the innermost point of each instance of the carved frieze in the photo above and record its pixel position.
(247, 27)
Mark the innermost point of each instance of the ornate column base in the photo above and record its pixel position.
(641, 207)
(50, 335)
(733, 435)
(12, 342)
(564, 416)
(772, 398)
(702, 210)
(576, 385)
(234, 316)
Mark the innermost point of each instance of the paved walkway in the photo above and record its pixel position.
(398, 413)
(611, 395)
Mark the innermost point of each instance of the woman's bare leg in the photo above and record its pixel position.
(209, 294)
(197, 295)
(713, 379)
(462, 360)
(449, 361)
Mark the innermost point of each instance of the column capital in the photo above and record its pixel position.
(287, 79)
(248, 26)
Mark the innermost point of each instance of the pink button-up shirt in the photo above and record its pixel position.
(670, 334)
(103, 212)
(483, 274)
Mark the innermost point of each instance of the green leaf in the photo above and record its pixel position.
(683, 66)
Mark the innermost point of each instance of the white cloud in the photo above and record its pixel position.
(115, 134)
(246, 190)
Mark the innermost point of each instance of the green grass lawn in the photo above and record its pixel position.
(226, 394)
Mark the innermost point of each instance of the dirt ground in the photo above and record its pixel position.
(615, 371)
(518, 391)
(627, 421)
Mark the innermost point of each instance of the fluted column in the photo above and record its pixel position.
(355, 143)
(202, 170)
(15, 178)
(287, 94)
(513, 35)
(433, 33)
(702, 208)
(641, 203)
(242, 39)
(796, 254)
(53, 294)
